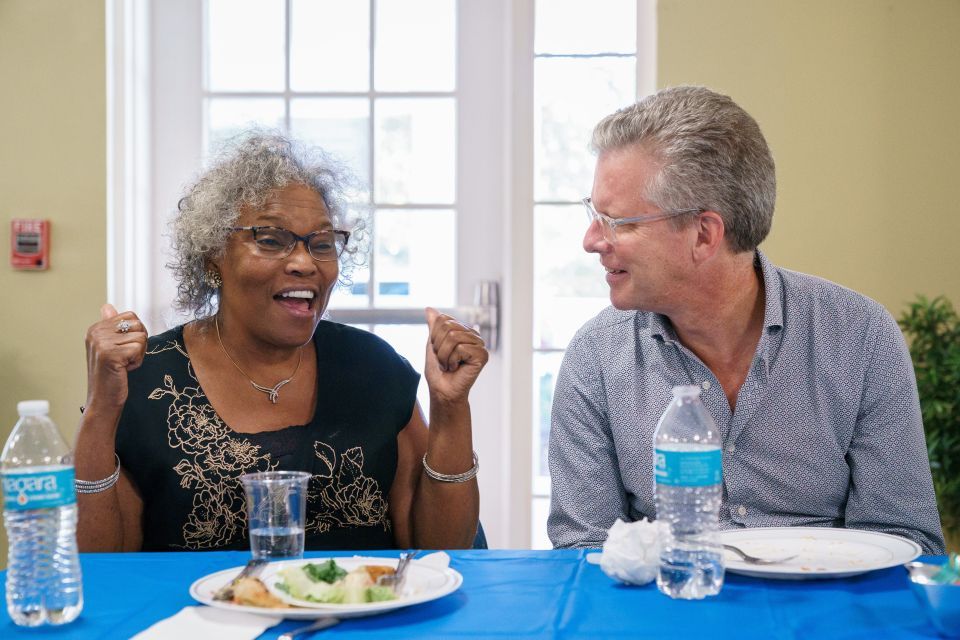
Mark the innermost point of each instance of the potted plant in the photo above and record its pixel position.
(932, 328)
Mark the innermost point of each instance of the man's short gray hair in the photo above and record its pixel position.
(249, 168)
(711, 155)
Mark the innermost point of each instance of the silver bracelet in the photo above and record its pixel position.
(98, 486)
(469, 474)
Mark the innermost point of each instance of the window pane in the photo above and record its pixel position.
(410, 341)
(245, 45)
(339, 126)
(545, 368)
(575, 26)
(357, 294)
(538, 526)
(414, 150)
(354, 296)
(227, 117)
(570, 286)
(414, 261)
(570, 97)
(415, 46)
(330, 45)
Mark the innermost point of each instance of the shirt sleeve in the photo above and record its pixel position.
(891, 489)
(587, 494)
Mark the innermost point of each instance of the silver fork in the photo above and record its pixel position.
(319, 625)
(749, 559)
(252, 570)
(396, 580)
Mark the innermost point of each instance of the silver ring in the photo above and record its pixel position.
(123, 326)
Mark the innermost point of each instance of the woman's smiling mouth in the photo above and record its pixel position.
(298, 301)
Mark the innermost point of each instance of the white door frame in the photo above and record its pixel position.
(517, 327)
(128, 148)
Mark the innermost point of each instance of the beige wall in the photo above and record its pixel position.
(52, 165)
(859, 100)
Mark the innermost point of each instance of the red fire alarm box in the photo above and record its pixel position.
(30, 244)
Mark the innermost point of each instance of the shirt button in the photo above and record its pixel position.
(742, 510)
(731, 448)
(706, 385)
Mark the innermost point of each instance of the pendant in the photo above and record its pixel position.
(273, 394)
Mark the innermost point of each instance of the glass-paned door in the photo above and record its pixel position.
(466, 124)
(399, 91)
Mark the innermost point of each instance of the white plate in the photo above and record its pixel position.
(423, 584)
(821, 552)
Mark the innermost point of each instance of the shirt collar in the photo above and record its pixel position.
(661, 327)
(773, 292)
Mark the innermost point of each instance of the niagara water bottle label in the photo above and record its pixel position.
(38, 489)
(688, 468)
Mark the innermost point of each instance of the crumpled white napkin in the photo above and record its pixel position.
(210, 624)
(631, 553)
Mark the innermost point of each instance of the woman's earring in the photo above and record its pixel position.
(214, 279)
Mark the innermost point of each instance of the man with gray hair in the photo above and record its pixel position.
(810, 384)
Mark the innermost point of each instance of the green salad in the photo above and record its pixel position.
(329, 583)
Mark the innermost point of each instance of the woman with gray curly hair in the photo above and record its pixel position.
(258, 382)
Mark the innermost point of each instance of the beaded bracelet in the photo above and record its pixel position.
(469, 474)
(98, 486)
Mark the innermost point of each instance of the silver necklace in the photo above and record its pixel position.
(273, 393)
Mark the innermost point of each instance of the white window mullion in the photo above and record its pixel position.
(372, 164)
(287, 90)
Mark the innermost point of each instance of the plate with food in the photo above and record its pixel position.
(321, 587)
(819, 552)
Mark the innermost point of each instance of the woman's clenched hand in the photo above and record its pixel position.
(115, 345)
(455, 356)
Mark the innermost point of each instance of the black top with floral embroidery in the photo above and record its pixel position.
(186, 462)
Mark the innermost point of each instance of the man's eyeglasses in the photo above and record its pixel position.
(610, 225)
(276, 242)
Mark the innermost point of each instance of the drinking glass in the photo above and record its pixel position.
(276, 509)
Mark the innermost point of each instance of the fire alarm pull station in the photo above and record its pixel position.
(30, 244)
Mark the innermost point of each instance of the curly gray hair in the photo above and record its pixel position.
(249, 168)
(711, 154)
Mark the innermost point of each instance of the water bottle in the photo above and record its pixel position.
(689, 483)
(40, 514)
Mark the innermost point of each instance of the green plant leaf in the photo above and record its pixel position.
(932, 330)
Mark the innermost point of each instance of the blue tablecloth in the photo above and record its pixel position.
(521, 594)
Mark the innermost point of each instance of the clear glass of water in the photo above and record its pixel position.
(276, 510)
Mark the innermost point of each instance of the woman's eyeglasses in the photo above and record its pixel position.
(277, 242)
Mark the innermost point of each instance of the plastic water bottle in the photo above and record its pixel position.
(40, 514)
(689, 483)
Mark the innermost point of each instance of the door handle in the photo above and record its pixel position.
(483, 315)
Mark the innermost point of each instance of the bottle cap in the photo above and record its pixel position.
(686, 391)
(33, 408)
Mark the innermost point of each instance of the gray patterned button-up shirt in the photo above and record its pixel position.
(826, 432)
